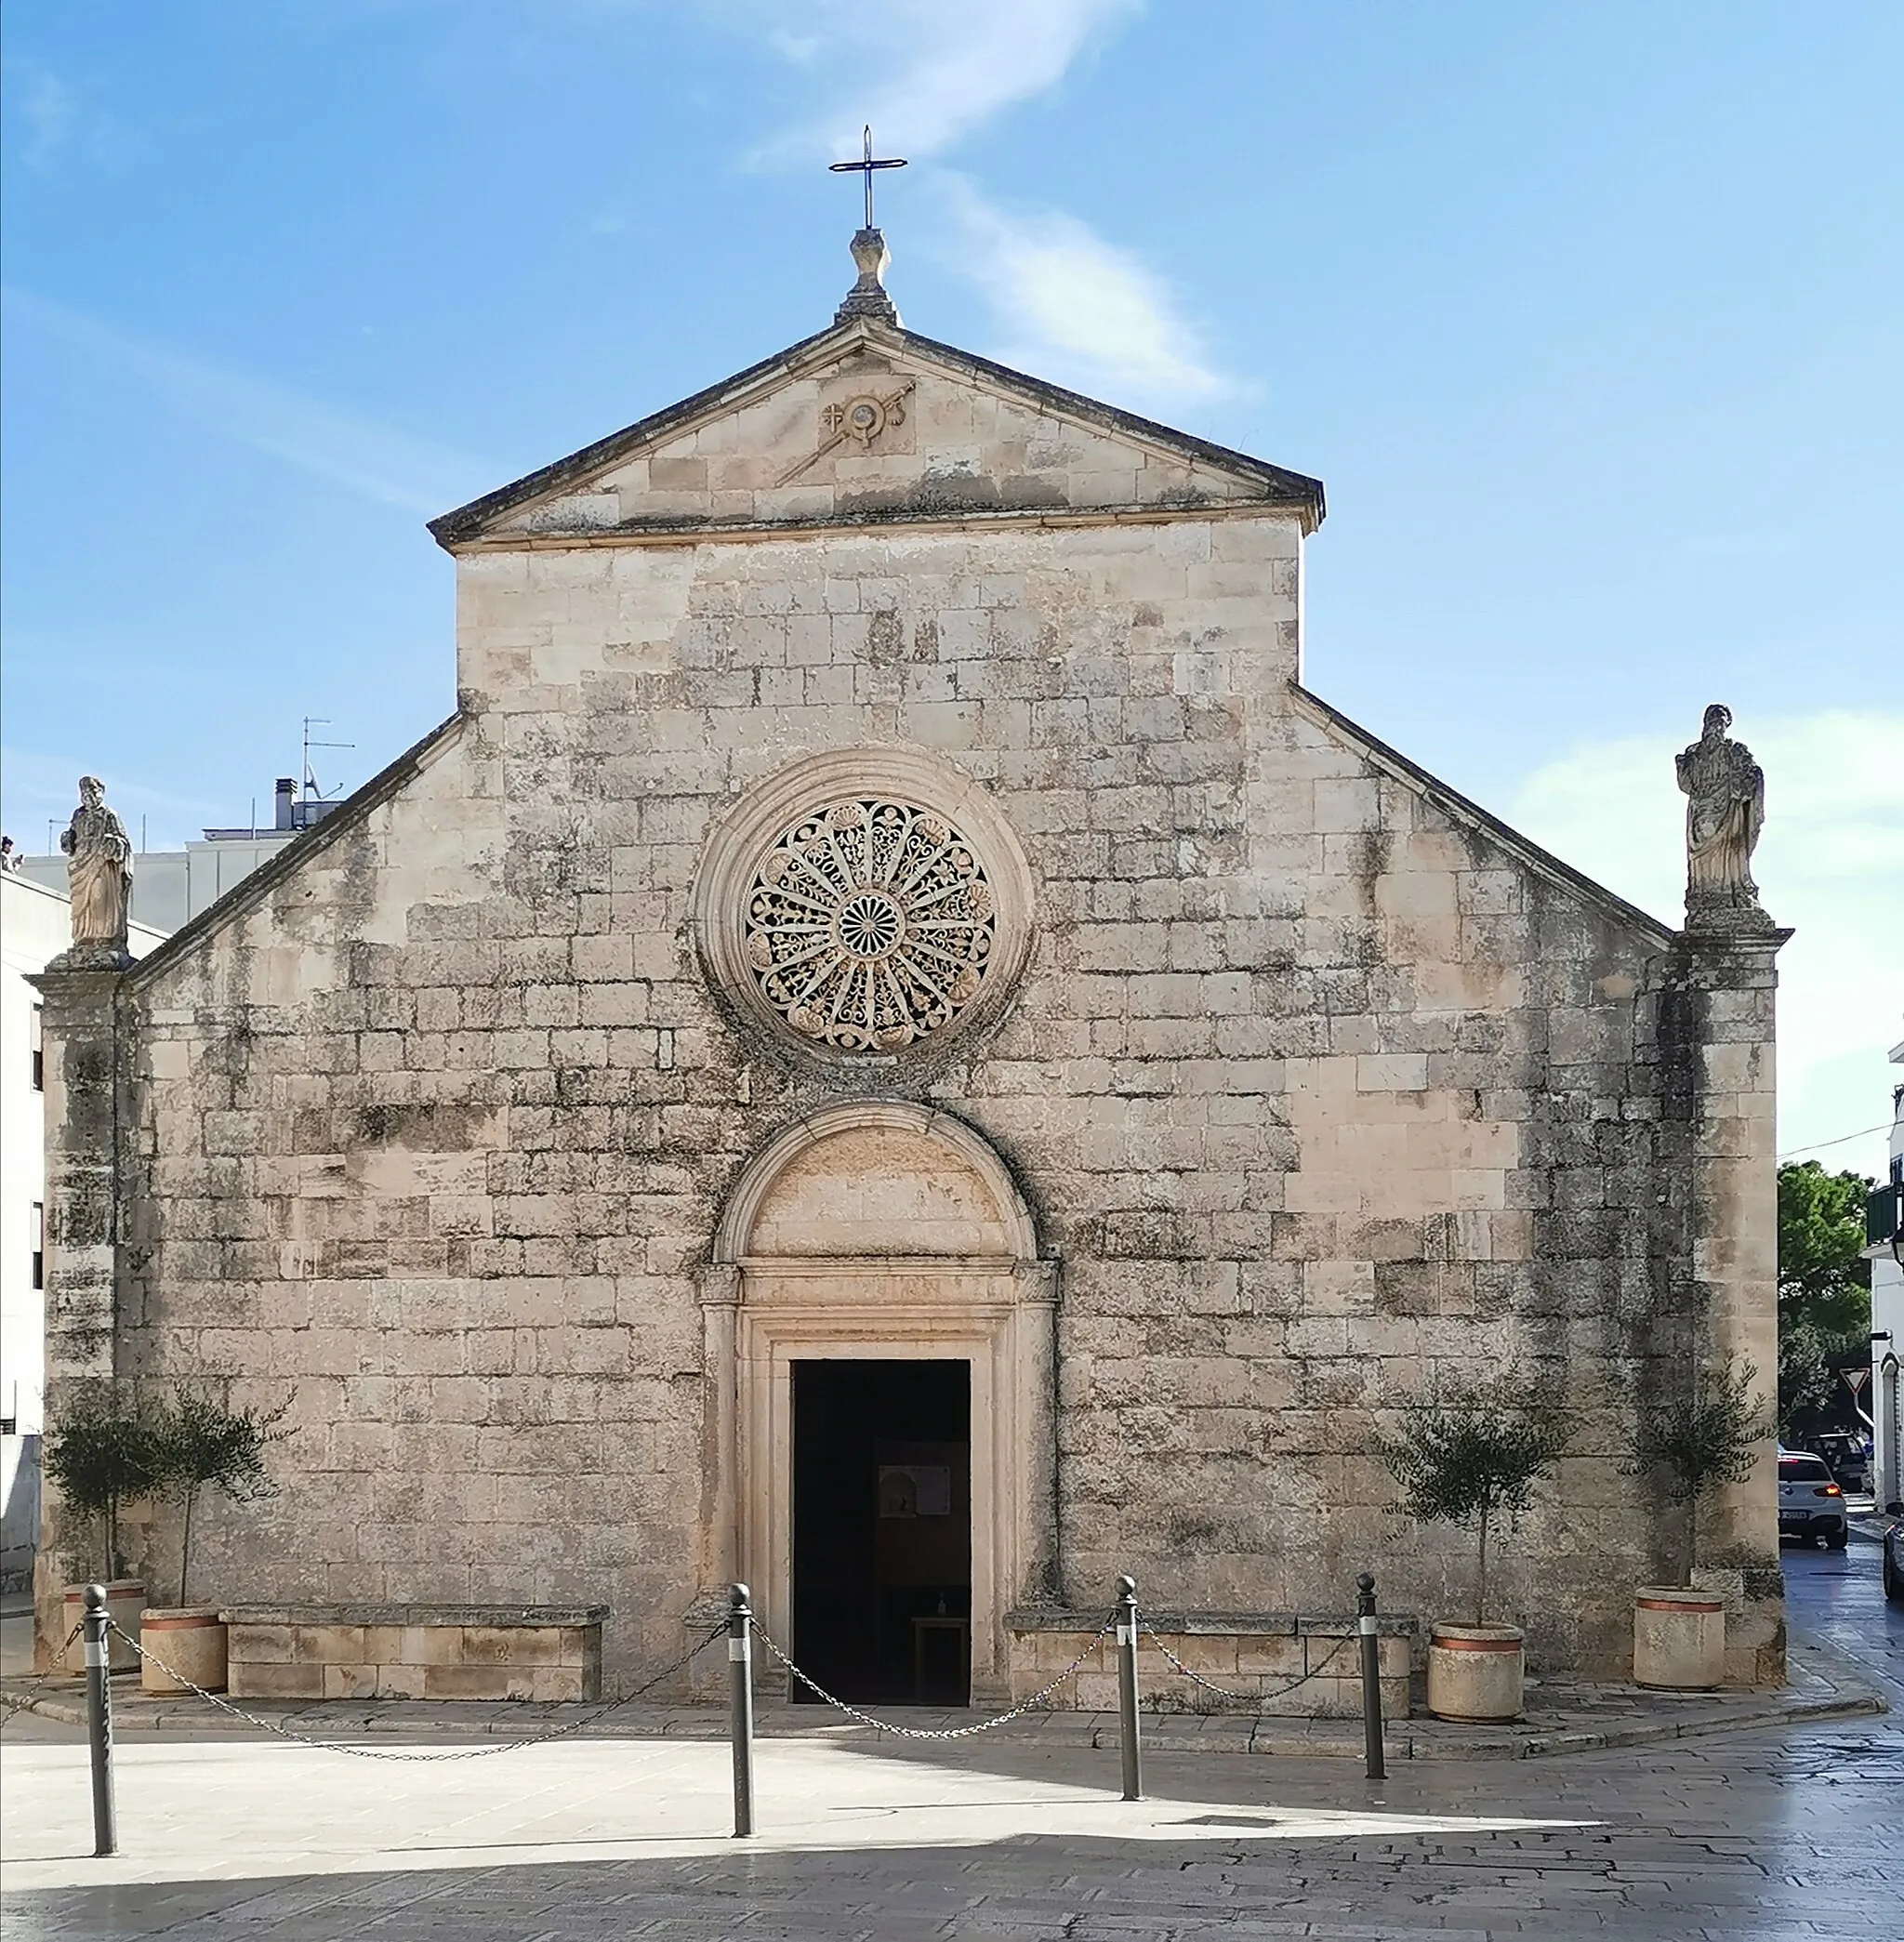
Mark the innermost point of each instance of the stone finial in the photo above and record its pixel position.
(1725, 792)
(98, 879)
(867, 297)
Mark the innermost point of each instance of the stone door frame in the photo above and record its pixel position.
(761, 1313)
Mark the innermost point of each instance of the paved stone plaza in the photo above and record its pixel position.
(1763, 1835)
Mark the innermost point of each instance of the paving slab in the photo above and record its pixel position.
(224, 1840)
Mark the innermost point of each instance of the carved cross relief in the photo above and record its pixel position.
(859, 421)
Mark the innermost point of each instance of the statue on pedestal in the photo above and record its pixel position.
(98, 879)
(1725, 792)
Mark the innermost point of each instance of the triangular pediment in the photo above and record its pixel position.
(869, 423)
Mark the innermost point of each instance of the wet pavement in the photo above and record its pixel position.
(1791, 1833)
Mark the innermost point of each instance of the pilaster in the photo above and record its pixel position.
(1718, 1003)
(81, 1024)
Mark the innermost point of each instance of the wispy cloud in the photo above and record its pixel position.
(357, 454)
(928, 74)
(1079, 309)
(57, 118)
(924, 71)
(1830, 863)
(47, 112)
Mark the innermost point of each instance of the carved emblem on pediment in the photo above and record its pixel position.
(863, 419)
(857, 421)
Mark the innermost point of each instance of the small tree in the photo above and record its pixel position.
(1708, 1435)
(1472, 1455)
(103, 1450)
(199, 1443)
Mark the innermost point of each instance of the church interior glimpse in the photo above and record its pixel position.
(882, 1529)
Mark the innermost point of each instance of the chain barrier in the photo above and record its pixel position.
(508, 1746)
(569, 1727)
(1250, 1700)
(866, 1719)
(18, 1705)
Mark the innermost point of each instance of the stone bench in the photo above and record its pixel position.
(1254, 1655)
(414, 1651)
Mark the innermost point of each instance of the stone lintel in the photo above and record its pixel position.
(79, 986)
(1734, 960)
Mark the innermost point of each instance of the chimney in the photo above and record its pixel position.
(287, 794)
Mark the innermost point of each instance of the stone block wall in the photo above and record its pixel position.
(407, 1652)
(1318, 1084)
(1266, 1662)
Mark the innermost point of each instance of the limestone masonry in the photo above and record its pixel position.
(885, 894)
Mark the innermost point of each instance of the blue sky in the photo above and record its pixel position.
(1589, 318)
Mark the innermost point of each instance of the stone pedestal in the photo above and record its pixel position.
(188, 1644)
(1477, 1672)
(125, 1602)
(1678, 1638)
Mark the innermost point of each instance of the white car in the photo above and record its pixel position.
(1810, 1503)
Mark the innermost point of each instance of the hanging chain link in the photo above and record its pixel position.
(569, 1727)
(508, 1746)
(1250, 1699)
(866, 1719)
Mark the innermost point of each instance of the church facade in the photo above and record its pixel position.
(892, 1049)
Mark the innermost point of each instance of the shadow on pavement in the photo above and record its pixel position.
(1028, 1887)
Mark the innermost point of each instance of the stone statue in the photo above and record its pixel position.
(99, 878)
(1725, 792)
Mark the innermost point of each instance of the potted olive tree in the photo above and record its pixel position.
(1707, 1435)
(202, 1443)
(102, 1452)
(1469, 1456)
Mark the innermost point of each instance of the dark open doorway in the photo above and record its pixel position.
(882, 1530)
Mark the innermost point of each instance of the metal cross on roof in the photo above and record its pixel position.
(866, 167)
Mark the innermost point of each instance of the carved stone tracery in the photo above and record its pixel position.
(869, 924)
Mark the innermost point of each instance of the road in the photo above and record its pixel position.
(1746, 1837)
(1839, 1597)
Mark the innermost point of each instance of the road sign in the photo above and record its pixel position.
(1855, 1380)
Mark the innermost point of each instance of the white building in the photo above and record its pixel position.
(35, 924)
(1883, 1230)
(170, 887)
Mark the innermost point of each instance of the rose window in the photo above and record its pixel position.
(869, 925)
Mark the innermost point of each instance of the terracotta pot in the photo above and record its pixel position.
(124, 1601)
(1476, 1673)
(1678, 1638)
(188, 1639)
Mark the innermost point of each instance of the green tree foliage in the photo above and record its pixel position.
(1472, 1454)
(1824, 1289)
(104, 1449)
(1707, 1436)
(201, 1443)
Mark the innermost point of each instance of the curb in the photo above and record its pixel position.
(1222, 1734)
(47, 1709)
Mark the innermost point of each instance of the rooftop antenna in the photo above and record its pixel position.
(308, 784)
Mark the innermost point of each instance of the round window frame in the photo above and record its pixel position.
(741, 841)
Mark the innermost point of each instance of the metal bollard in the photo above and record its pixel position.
(1127, 1688)
(98, 1720)
(740, 1676)
(1372, 1676)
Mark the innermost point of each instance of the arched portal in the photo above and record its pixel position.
(883, 1232)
